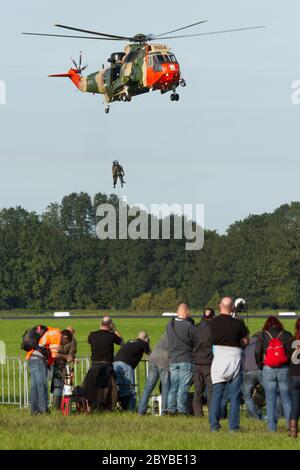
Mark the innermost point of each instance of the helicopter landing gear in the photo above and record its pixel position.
(107, 108)
(182, 82)
(174, 97)
(126, 97)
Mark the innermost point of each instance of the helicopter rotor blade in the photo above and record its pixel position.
(112, 36)
(72, 37)
(80, 59)
(75, 64)
(211, 33)
(179, 29)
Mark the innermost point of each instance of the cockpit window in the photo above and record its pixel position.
(172, 58)
(164, 58)
(160, 59)
(156, 60)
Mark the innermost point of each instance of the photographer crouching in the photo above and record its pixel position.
(59, 369)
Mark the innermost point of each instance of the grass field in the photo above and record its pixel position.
(12, 330)
(18, 430)
(118, 432)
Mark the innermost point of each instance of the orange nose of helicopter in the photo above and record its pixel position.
(170, 75)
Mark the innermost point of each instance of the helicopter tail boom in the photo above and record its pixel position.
(73, 75)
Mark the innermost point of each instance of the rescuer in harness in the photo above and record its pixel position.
(117, 172)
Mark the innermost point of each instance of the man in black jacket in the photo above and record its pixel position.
(252, 377)
(202, 358)
(181, 342)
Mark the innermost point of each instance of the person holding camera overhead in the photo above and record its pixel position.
(102, 342)
(229, 335)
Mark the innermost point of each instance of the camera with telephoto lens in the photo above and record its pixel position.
(240, 306)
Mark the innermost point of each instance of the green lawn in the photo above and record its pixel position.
(18, 430)
(12, 330)
(110, 432)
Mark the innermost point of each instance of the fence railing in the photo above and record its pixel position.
(15, 379)
(11, 381)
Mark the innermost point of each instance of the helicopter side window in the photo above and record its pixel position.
(158, 60)
(115, 72)
(150, 61)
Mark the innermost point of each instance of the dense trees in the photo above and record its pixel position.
(56, 261)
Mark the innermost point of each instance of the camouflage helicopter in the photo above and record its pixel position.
(141, 68)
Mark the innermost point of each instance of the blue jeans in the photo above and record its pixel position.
(233, 388)
(276, 379)
(251, 379)
(181, 377)
(125, 381)
(39, 385)
(224, 403)
(295, 395)
(154, 374)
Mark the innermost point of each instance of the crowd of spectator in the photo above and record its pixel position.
(225, 365)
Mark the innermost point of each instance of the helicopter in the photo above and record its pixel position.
(143, 67)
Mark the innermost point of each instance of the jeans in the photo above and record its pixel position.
(154, 374)
(250, 380)
(39, 385)
(202, 381)
(125, 381)
(233, 389)
(276, 379)
(181, 378)
(295, 396)
(55, 375)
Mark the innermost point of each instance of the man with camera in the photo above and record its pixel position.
(181, 336)
(126, 360)
(102, 342)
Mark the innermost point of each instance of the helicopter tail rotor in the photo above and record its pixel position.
(74, 74)
(79, 68)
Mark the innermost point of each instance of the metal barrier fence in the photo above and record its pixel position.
(15, 379)
(11, 372)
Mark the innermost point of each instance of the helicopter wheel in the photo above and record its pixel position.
(107, 109)
(174, 97)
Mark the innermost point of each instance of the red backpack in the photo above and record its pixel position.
(275, 354)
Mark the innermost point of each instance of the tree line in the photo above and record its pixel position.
(55, 261)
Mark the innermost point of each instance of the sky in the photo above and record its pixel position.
(230, 143)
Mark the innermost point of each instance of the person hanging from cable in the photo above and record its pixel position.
(117, 172)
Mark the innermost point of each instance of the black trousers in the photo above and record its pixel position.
(202, 381)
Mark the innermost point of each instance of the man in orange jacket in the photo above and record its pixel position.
(39, 360)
